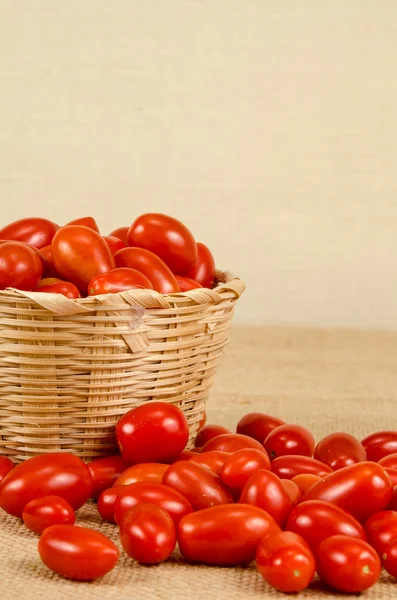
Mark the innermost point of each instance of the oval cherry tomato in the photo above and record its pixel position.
(340, 450)
(159, 274)
(258, 425)
(287, 467)
(105, 472)
(389, 461)
(203, 268)
(64, 287)
(305, 481)
(6, 465)
(292, 490)
(48, 271)
(381, 529)
(167, 237)
(118, 280)
(48, 281)
(231, 442)
(42, 512)
(285, 561)
(265, 490)
(389, 558)
(34, 231)
(224, 535)
(380, 444)
(212, 460)
(392, 473)
(107, 502)
(186, 284)
(289, 439)
(393, 502)
(159, 421)
(55, 474)
(148, 534)
(347, 564)
(207, 432)
(20, 266)
(361, 489)
(114, 243)
(199, 485)
(121, 233)
(239, 467)
(77, 552)
(79, 254)
(85, 222)
(316, 520)
(143, 472)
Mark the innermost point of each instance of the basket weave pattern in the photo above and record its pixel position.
(70, 368)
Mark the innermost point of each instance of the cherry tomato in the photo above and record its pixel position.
(186, 284)
(159, 274)
(42, 512)
(287, 467)
(184, 455)
(231, 442)
(339, 450)
(203, 268)
(199, 485)
(393, 502)
(79, 254)
(167, 237)
(105, 472)
(362, 489)
(114, 243)
(258, 425)
(207, 432)
(55, 474)
(392, 473)
(285, 561)
(265, 490)
(380, 444)
(212, 460)
(48, 281)
(20, 266)
(389, 558)
(224, 535)
(347, 564)
(389, 461)
(305, 481)
(118, 280)
(316, 520)
(292, 490)
(289, 439)
(239, 467)
(85, 222)
(77, 552)
(148, 534)
(64, 287)
(143, 472)
(381, 529)
(107, 502)
(121, 233)
(34, 231)
(49, 270)
(170, 500)
(152, 432)
(6, 465)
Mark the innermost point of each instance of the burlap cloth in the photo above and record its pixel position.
(326, 380)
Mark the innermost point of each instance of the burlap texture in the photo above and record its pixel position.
(326, 380)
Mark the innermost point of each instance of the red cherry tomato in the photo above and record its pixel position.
(167, 237)
(347, 564)
(207, 432)
(118, 280)
(203, 268)
(184, 455)
(114, 243)
(6, 465)
(258, 425)
(42, 512)
(380, 444)
(148, 534)
(64, 287)
(49, 270)
(151, 472)
(224, 535)
(381, 529)
(85, 222)
(305, 481)
(107, 502)
(55, 474)
(199, 485)
(79, 254)
(239, 467)
(389, 461)
(392, 473)
(265, 490)
(121, 233)
(152, 432)
(289, 439)
(393, 502)
(292, 490)
(186, 284)
(287, 467)
(285, 561)
(20, 266)
(316, 520)
(47, 281)
(105, 472)
(231, 442)
(389, 558)
(35, 231)
(361, 489)
(212, 460)
(159, 274)
(340, 450)
(77, 552)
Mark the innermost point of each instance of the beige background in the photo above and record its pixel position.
(269, 127)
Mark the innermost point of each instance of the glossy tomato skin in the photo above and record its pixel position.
(316, 520)
(105, 472)
(239, 467)
(292, 490)
(381, 529)
(186, 284)
(55, 474)
(184, 455)
(265, 490)
(347, 564)
(85, 222)
(212, 460)
(338, 450)
(121, 233)
(114, 243)
(159, 274)
(107, 503)
(64, 287)
(232, 442)
(167, 237)
(305, 481)
(258, 425)
(77, 552)
(224, 535)
(361, 489)
(287, 467)
(203, 268)
(285, 561)
(79, 254)
(389, 461)
(49, 270)
(34, 231)
(148, 534)
(6, 465)
(380, 444)
(199, 485)
(159, 421)
(150, 472)
(43, 512)
(393, 502)
(118, 280)
(20, 266)
(207, 432)
(289, 439)
(392, 473)
(389, 558)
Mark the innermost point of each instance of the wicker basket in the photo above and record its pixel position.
(70, 368)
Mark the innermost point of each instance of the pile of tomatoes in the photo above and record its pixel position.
(267, 493)
(156, 252)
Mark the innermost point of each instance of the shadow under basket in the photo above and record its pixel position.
(70, 368)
